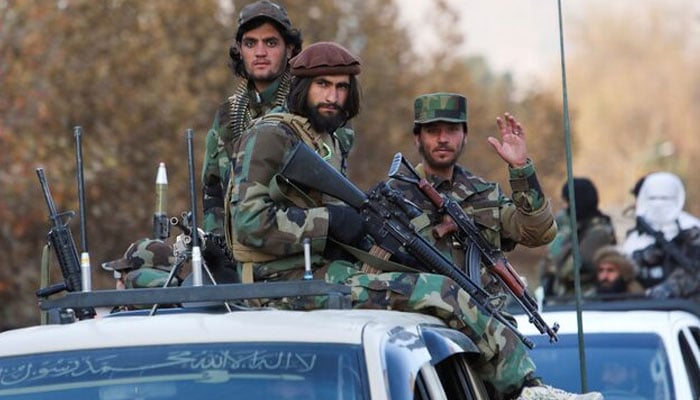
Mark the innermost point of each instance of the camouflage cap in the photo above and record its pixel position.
(447, 107)
(144, 253)
(147, 278)
(263, 9)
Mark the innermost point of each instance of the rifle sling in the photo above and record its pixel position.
(375, 261)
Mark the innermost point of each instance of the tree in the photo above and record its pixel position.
(634, 76)
(135, 75)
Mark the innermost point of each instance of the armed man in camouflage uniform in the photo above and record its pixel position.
(440, 134)
(671, 270)
(145, 264)
(269, 221)
(265, 41)
(594, 231)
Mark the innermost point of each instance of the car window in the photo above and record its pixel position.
(290, 371)
(631, 365)
(420, 389)
(457, 378)
(691, 364)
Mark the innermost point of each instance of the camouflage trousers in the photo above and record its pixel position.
(504, 365)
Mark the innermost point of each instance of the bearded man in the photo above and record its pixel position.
(440, 134)
(271, 219)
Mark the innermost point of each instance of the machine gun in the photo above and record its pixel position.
(670, 248)
(384, 214)
(462, 227)
(61, 240)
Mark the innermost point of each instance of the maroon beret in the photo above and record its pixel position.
(325, 58)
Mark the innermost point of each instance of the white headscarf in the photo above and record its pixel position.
(660, 202)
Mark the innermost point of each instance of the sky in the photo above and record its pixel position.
(522, 36)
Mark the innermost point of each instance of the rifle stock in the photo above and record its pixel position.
(386, 218)
(457, 222)
(309, 170)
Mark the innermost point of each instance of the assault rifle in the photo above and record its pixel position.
(668, 247)
(385, 217)
(460, 225)
(61, 240)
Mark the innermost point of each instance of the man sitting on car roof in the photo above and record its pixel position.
(145, 264)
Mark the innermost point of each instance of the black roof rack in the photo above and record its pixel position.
(338, 295)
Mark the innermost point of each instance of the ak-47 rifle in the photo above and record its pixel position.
(385, 217)
(461, 226)
(61, 240)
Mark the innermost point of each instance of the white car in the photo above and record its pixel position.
(634, 349)
(204, 351)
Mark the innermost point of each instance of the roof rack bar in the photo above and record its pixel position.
(339, 295)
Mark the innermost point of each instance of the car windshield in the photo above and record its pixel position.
(192, 371)
(630, 366)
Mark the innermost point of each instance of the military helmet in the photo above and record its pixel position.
(263, 9)
(446, 107)
(144, 253)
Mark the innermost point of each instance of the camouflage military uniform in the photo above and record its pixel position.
(269, 220)
(526, 219)
(592, 235)
(684, 280)
(594, 230)
(266, 228)
(233, 117)
(246, 104)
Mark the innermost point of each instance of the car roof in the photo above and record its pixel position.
(616, 316)
(606, 321)
(320, 326)
(619, 304)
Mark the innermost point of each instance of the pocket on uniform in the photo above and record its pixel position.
(488, 219)
(395, 282)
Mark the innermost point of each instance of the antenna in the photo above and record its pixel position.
(196, 251)
(85, 269)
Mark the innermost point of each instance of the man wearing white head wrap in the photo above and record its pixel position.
(660, 202)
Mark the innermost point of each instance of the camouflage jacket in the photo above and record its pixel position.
(525, 219)
(678, 281)
(268, 218)
(683, 281)
(234, 116)
(557, 268)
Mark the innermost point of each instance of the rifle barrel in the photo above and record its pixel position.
(53, 215)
